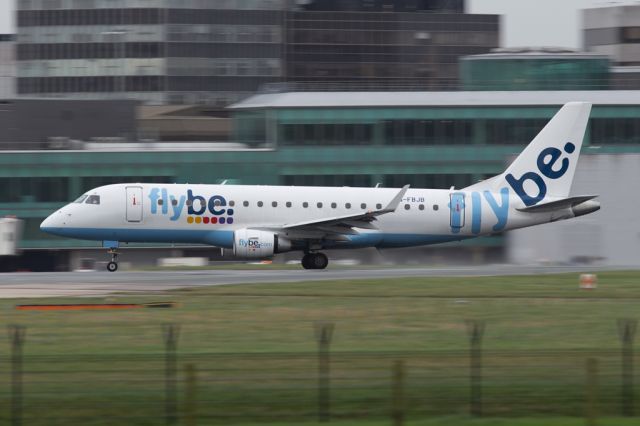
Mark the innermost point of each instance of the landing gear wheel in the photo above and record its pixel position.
(319, 261)
(113, 265)
(306, 264)
(315, 261)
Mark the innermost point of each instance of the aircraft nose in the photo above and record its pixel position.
(53, 221)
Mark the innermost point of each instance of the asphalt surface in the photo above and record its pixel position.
(19, 285)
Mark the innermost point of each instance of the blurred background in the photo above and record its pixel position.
(432, 93)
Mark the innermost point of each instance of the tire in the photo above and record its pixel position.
(112, 266)
(306, 261)
(319, 261)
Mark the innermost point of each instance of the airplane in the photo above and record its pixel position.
(257, 222)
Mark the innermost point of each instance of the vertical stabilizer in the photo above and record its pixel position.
(546, 167)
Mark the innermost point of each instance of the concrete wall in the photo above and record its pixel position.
(610, 236)
(36, 121)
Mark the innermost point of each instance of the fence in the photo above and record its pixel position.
(179, 387)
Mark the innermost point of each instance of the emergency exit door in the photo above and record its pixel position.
(134, 204)
(457, 211)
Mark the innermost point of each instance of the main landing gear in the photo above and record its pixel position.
(113, 265)
(315, 261)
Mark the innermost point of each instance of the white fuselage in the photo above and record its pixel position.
(175, 213)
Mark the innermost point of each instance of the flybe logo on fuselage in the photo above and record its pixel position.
(213, 210)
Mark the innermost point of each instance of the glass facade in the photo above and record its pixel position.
(219, 52)
(417, 50)
(526, 72)
(158, 51)
(437, 126)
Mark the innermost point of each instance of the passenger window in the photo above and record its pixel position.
(189, 203)
(160, 201)
(334, 205)
(421, 207)
(274, 204)
(347, 205)
(319, 205)
(379, 206)
(288, 203)
(232, 203)
(93, 199)
(260, 203)
(407, 206)
(174, 202)
(245, 203)
(81, 198)
(305, 204)
(216, 203)
(435, 207)
(363, 206)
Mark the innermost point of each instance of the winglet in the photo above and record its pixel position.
(393, 205)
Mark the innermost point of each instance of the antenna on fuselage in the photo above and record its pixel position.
(224, 182)
(377, 185)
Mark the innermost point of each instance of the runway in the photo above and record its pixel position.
(53, 284)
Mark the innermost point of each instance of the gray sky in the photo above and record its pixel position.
(526, 22)
(6, 16)
(540, 22)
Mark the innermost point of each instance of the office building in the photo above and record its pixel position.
(218, 52)
(156, 51)
(7, 66)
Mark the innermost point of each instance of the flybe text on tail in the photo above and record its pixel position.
(547, 166)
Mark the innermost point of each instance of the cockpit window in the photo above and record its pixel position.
(93, 199)
(81, 198)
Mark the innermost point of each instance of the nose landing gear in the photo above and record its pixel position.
(113, 265)
(315, 261)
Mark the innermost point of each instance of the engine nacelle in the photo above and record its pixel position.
(255, 244)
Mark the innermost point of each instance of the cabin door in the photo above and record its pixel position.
(457, 211)
(134, 204)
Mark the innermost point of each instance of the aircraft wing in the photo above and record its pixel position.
(345, 224)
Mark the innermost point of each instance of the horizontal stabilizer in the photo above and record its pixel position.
(557, 204)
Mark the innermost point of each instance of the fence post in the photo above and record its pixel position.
(190, 396)
(397, 413)
(627, 331)
(17, 335)
(324, 332)
(591, 409)
(475, 329)
(170, 332)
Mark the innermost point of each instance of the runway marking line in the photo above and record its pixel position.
(101, 306)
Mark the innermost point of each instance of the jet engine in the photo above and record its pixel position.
(255, 244)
